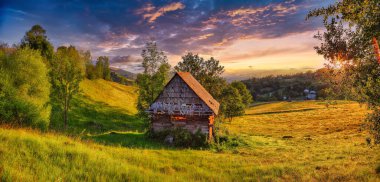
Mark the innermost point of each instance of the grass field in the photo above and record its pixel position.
(102, 107)
(285, 141)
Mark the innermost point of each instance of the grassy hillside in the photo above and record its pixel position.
(114, 94)
(104, 106)
(284, 142)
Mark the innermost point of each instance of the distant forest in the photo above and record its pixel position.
(326, 82)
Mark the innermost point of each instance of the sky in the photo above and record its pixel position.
(247, 36)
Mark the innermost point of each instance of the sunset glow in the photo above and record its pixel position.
(243, 35)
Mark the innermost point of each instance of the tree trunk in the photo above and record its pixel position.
(376, 49)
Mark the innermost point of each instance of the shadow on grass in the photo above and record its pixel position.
(89, 116)
(286, 111)
(126, 139)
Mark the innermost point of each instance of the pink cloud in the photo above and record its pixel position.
(152, 13)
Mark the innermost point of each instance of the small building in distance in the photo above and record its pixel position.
(186, 104)
(310, 94)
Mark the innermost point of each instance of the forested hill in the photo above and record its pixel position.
(272, 88)
(124, 73)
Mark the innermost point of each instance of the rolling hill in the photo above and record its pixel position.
(104, 106)
(126, 74)
(283, 141)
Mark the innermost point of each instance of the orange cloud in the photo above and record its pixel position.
(198, 38)
(202, 37)
(264, 53)
(247, 11)
(149, 10)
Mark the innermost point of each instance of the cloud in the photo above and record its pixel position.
(125, 60)
(197, 38)
(257, 21)
(130, 63)
(264, 53)
(114, 28)
(149, 11)
(120, 41)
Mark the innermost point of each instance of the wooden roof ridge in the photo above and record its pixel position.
(200, 91)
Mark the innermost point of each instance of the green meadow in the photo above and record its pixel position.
(281, 141)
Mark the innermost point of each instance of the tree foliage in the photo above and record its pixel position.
(103, 68)
(155, 76)
(68, 70)
(234, 98)
(207, 72)
(90, 67)
(24, 88)
(36, 39)
(243, 91)
(100, 70)
(353, 47)
(232, 103)
(106, 68)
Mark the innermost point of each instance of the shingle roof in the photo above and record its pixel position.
(200, 91)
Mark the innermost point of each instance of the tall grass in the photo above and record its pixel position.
(326, 144)
(103, 106)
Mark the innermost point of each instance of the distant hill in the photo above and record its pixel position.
(244, 74)
(274, 88)
(126, 74)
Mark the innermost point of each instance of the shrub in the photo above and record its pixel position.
(374, 124)
(24, 89)
(181, 137)
(223, 140)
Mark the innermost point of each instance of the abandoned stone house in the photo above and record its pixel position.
(184, 103)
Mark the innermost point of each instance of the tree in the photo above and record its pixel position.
(24, 88)
(68, 70)
(354, 47)
(100, 70)
(243, 91)
(106, 69)
(208, 73)
(36, 39)
(232, 104)
(103, 68)
(155, 76)
(193, 64)
(90, 67)
(99, 67)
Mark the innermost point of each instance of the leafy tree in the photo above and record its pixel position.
(36, 39)
(354, 48)
(156, 74)
(100, 67)
(24, 88)
(106, 69)
(90, 67)
(207, 72)
(68, 70)
(243, 91)
(335, 84)
(193, 64)
(232, 104)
